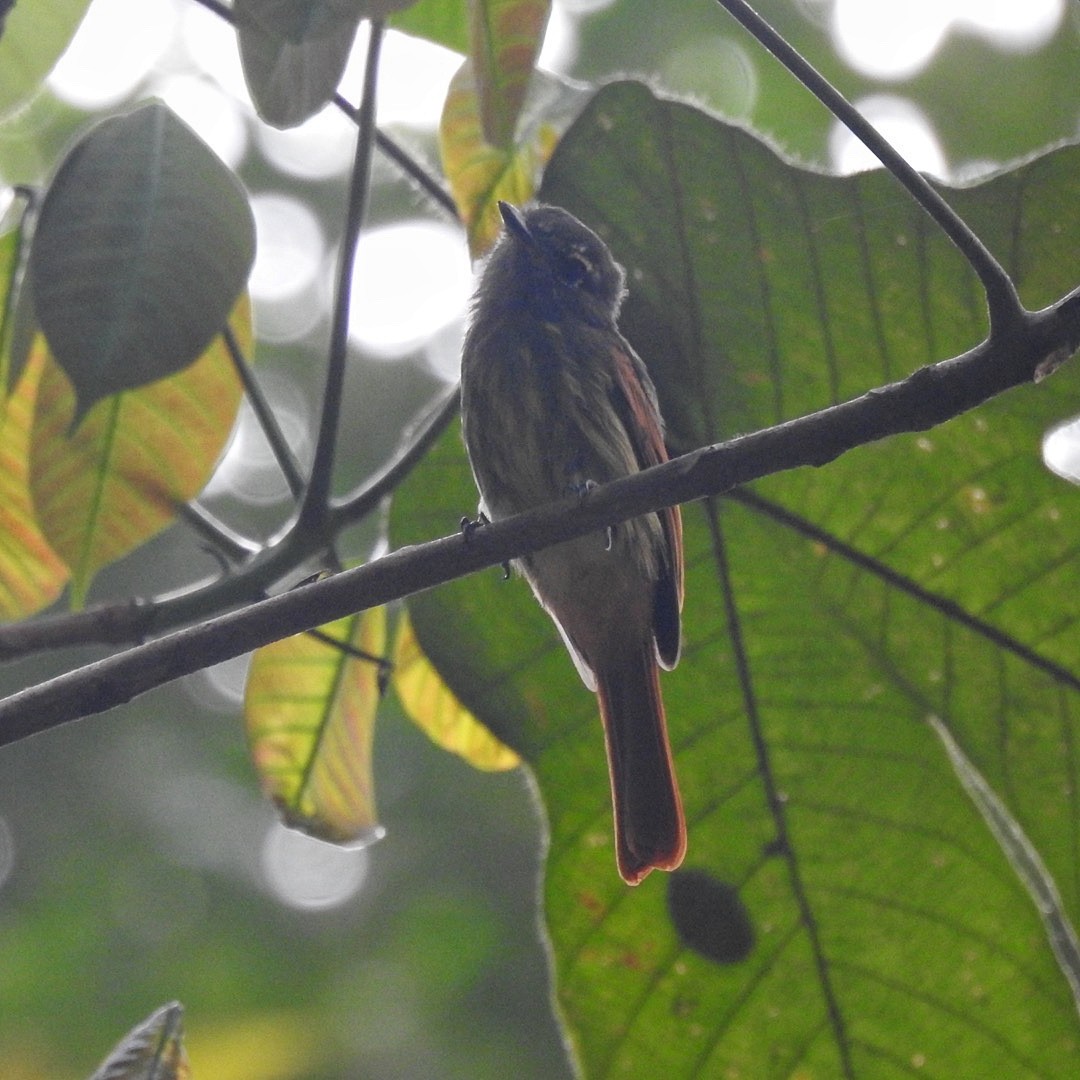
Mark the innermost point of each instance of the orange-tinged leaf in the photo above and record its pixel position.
(480, 174)
(31, 573)
(310, 710)
(435, 709)
(506, 36)
(115, 480)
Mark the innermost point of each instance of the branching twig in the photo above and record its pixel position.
(923, 400)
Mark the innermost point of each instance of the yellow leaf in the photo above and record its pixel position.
(479, 173)
(31, 573)
(310, 710)
(274, 1044)
(115, 481)
(433, 707)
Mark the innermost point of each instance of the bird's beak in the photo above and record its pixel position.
(515, 222)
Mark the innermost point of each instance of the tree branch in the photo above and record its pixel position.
(928, 397)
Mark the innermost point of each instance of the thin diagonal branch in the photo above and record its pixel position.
(1004, 304)
(264, 413)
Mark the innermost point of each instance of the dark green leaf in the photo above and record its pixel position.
(294, 53)
(144, 243)
(829, 614)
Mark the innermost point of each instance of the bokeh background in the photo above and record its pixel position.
(138, 862)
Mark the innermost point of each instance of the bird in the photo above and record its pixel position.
(555, 401)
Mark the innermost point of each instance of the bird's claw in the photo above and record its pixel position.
(469, 526)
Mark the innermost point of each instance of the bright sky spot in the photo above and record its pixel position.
(1061, 450)
(289, 247)
(889, 39)
(210, 43)
(895, 39)
(221, 687)
(410, 281)
(113, 50)
(319, 149)
(560, 40)
(413, 78)
(1013, 25)
(307, 873)
(902, 123)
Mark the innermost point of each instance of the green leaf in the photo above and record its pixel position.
(480, 174)
(144, 243)
(865, 920)
(31, 573)
(445, 22)
(294, 53)
(32, 38)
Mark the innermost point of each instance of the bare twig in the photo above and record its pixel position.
(264, 413)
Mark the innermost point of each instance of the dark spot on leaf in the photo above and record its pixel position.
(710, 917)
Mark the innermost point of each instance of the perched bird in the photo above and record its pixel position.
(554, 401)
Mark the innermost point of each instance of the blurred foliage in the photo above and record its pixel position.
(131, 846)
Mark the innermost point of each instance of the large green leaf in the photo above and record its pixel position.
(845, 909)
(144, 243)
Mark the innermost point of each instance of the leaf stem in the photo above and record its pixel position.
(1006, 311)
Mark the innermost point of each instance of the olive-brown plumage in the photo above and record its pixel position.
(554, 400)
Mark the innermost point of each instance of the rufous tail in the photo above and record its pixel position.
(649, 829)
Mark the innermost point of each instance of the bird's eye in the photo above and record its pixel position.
(574, 268)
